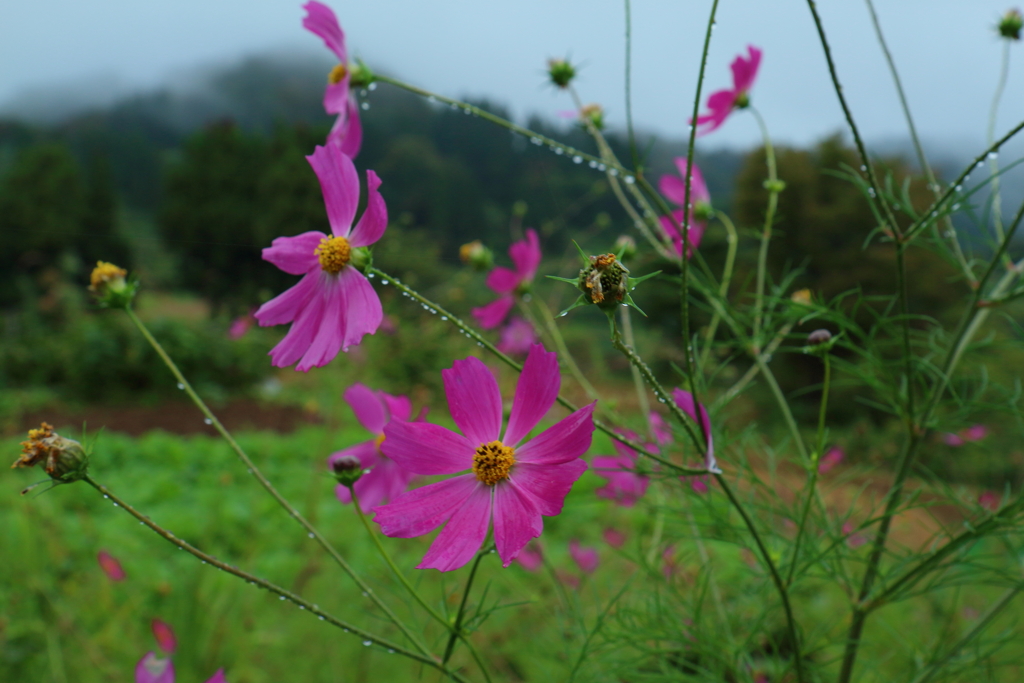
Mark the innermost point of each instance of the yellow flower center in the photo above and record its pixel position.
(377, 442)
(337, 74)
(492, 462)
(334, 254)
(105, 273)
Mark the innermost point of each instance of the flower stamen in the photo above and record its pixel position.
(337, 74)
(492, 462)
(334, 254)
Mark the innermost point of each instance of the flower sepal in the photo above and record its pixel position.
(361, 258)
(360, 75)
(111, 287)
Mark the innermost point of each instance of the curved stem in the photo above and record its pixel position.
(766, 233)
(184, 384)
(482, 341)
(638, 381)
(424, 658)
(993, 162)
(723, 289)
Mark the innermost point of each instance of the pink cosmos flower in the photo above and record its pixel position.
(674, 189)
(989, 500)
(684, 399)
(164, 635)
(699, 484)
(526, 257)
(974, 433)
(951, 439)
(624, 485)
(722, 102)
(239, 326)
(110, 566)
(669, 563)
(152, 669)
(853, 540)
(385, 479)
(659, 429)
(614, 538)
(516, 337)
(832, 457)
(347, 131)
(333, 305)
(586, 559)
(531, 557)
(512, 481)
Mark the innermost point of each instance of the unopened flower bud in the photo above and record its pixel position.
(819, 342)
(819, 336)
(605, 281)
(477, 255)
(593, 113)
(775, 186)
(801, 296)
(561, 72)
(108, 283)
(65, 460)
(1010, 25)
(347, 470)
(625, 247)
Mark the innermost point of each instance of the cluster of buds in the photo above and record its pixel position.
(65, 460)
(561, 72)
(1010, 25)
(477, 255)
(107, 282)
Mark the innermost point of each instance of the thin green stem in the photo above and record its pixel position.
(638, 380)
(184, 384)
(723, 288)
(753, 370)
(471, 333)
(563, 350)
(457, 627)
(993, 162)
(780, 398)
(766, 233)
(813, 480)
(629, 86)
(366, 636)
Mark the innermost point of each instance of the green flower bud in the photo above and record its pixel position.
(477, 255)
(347, 470)
(107, 282)
(625, 247)
(774, 185)
(561, 72)
(1010, 25)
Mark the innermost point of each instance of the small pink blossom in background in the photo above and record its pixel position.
(567, 579)
(700, 483)
(333, 305)
(512, 481)
(659, 429)
(722, 102)
(239, 326)
(385, 479)
(853, 540)
(951, 439)
(989, 500)
(152, 669)
(586, 559)
(110, 566)
(762, 678)
(832, 457)
(347, 131)
(669, 564)
(531, 557)
(164, 635)
(974, 433)
(684, 399)
(516, 337)
(505, 282)
(674, 189)
(624, 485)
(614, 538)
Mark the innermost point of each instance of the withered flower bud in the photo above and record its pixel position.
(65, 460)
(605, 281)
(108, 283)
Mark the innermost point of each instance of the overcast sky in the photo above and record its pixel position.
(946, 50)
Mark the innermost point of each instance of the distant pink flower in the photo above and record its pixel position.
(624, 485)
(164, 635)
(699, 483)
(832, 457)
(669, 564)
(333, 305)
(989, 500)
(516, 337)
(974, 433)
(505, 282)
(586, 559)
(511, 482)
(239, 326)
(853, 540)
(347, 131)
(684, 399)
(674, 189)
(659, 428)
(385, 479)
(614, 538)
(951, 439)
(152, 669)
(531, 557)
(722, 102)
(110, 566)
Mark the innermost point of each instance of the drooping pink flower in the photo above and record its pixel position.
(832, 457)
(974, 433)
(585, 558)
(512, 481)
(164, 635)
(110, 566)
(531, 557)
(989, 500)
(684, 399)
(506, 283)
(347, 131)
(624, 485)
(674, 189)
(614, 538)
(385, 479)
(516, 337)
(333, 305)
(722, 102)
(853, 540)
(659, 429)
(152, 669)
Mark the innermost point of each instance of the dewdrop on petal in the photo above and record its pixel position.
(65, 460)
(107, 282)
